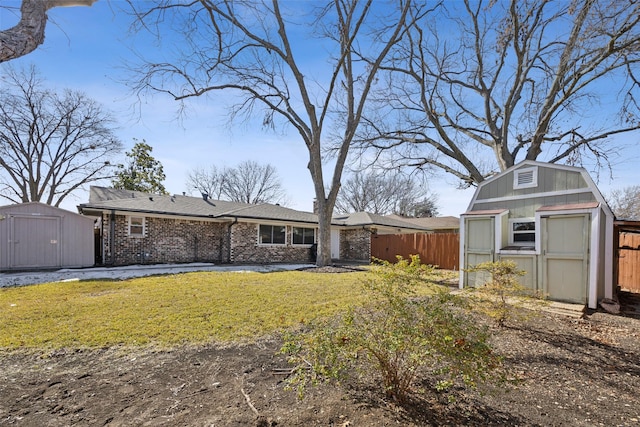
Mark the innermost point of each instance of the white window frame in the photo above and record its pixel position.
(261, 243)
(512, 232)
(534, 178)
(303, 244)
(129, 225)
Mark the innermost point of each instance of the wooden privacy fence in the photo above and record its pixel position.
(441, 249)
(629, 261)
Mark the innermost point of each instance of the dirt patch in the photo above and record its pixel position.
(578, 372)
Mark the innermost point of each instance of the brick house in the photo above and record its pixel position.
(140, 228)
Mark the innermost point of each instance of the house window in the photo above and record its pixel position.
(522, 232)
(304, 236)
(272, 234)
(136, 226)
(525, 178)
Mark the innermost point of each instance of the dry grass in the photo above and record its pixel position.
(169, 310)
(165, 311)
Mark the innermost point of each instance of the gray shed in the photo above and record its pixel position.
(552, 221)
(38, 236)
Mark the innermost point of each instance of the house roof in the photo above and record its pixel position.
(107, 199)
(433, 222)
(99, 194)
(360, 219)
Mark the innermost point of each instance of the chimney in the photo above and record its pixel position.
(315, 206)
(205, 196)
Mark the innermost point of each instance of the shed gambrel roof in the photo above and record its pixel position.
(105, 199)
(555, 185)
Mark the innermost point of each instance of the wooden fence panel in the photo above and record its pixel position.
(629, 262)
(441, 249)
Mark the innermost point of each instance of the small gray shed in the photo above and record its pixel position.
(552, 221)
(38, 236)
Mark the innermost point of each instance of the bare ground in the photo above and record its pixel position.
(577, 372)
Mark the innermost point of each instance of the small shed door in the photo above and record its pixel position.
(34, 242)
(565, 257)
(335, 243)
(479, 247)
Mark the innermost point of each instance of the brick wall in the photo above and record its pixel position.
(165, 241)
(169, 240)
(355, 245)
(245, 247)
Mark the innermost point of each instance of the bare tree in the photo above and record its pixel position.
(381, 193)
(254, 51)
(50, 144)
(207, 181)
(28, 33)
(625, 203)
(492, 83)
(249, 182)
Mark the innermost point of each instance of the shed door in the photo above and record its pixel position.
(479, 247)
(34, 242)
(565, 257)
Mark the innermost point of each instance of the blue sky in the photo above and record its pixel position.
(84, 50)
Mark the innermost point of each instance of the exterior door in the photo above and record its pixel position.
(479, 246)
(565, 257)
(335, 244)
(34, 242)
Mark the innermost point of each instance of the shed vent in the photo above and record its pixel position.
(525, 178)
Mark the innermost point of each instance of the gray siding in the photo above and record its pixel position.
(549, 180)
(526, 208)
(74, 246)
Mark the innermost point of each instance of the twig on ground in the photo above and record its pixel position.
(248, 399)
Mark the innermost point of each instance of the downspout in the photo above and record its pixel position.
(235, 221)
(112, 231)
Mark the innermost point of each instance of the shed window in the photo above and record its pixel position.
(304, 236)
(525, 178)
(522, 232)
(136, 226)
(272, 234)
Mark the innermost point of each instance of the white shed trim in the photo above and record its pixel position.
(534, 195)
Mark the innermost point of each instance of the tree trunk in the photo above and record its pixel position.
(324, 234)
(28, 34)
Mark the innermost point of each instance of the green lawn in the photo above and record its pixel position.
(169, 310)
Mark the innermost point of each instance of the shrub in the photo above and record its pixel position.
(502, 298)
(395, 334)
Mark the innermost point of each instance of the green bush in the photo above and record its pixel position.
(503, 297)
(395, 334)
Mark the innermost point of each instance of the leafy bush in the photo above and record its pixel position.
(395, 334)
(503, 297)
